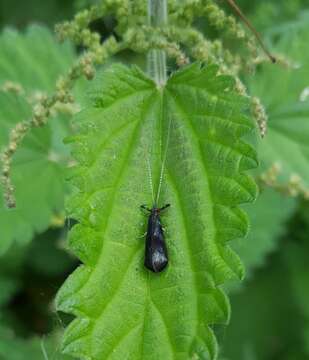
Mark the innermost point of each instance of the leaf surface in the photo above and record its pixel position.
(35, 348)
(34, 61)
(296, 258)
(263, 301)
(122, 310)
(283, 92)
(267, 223)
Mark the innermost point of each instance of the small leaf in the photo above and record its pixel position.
(123, 310)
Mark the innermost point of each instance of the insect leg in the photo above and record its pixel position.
(165, 207)
(145, 208)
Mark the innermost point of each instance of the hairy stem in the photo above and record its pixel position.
(157, 17)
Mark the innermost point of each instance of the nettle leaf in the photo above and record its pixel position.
(283, 92)
(34, 60)
(267, 223)
(123, 310)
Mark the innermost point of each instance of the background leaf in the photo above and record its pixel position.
(287, 140)
(49, 12)
(113, 296)
(45, 348)
(265, 322)
(29, 279)
(267, 224)
(34, 60)
(296, 257)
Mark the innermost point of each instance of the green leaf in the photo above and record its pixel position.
(14, 348)
(123, 310)
(9, 286)
(34, 60)
(296, 257)
(265, 320)
(267, 219)
(11, 269)
(46, 255)
(267, 15)
(283, 91)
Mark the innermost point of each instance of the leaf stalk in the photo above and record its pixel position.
(156, 61)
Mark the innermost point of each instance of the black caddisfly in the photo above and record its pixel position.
(156, 257)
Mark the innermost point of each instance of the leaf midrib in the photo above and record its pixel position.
(134, 139)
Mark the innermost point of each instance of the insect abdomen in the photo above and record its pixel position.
(156, 257)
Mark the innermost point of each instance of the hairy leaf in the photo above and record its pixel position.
(34, 61)
(123, 310)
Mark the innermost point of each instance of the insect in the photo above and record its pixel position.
(156, 257)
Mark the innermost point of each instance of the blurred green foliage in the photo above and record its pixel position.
(269, 13)
(270, 310)
(19, 14)
(34, 60)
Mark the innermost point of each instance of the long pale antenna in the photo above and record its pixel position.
(150, 178)
(250, 26)
(164, 160)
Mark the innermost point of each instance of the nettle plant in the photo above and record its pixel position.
(175, 133)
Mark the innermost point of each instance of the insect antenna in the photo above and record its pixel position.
(250, 26)
(164, 160)
(150, 179)
(148, 151)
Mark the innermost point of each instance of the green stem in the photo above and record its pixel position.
(157, 17)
